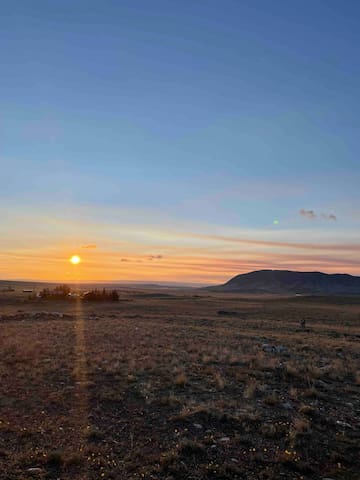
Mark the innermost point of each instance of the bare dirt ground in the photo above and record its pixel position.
(178, 386)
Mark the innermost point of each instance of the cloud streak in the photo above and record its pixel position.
(154, 257)
(330, 216)
(270, 243)
(310, 214)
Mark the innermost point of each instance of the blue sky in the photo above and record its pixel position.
(195, 116)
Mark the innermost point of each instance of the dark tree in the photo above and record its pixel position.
(114, 296)
(101, 296)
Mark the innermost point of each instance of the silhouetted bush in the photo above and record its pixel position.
(58, 293)
(63, 292)
(101, 296)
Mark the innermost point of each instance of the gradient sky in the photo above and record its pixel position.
(178, 140)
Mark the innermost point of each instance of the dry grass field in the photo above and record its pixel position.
(177, 384)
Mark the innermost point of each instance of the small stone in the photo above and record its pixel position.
(35, 470)
(224, 439)
(320, 383)
(277, 349)
(198, 426)
(343, 424)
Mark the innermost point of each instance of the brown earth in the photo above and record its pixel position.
(180, 386)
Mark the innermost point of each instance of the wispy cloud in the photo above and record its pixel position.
(154, 257)
(252, 242)
(90, 245)
(330, 216)
(307, 213)
(312, 215)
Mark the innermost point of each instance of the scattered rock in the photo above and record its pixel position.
(343, 424)
(35, 470)
(224, 439)
(321, 383)
(198, 426)
(277, 349)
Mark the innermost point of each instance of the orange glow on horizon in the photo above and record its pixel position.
(173, 264)
(151, 255)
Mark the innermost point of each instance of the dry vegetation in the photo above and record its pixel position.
(165, 387)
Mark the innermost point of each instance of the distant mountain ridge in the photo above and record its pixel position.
(291, 282)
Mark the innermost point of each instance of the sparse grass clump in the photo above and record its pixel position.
(181, 379)
(74, 461)
(300, 426)
(170, 400)
(310, 393)
(219, 381)
(307, 410)
(191, 447)
(271, 400)
(250, 389)
(293, 393)
(55, 459)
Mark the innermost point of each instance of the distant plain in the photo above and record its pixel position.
(179, 384)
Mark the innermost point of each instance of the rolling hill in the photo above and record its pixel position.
(290, 282)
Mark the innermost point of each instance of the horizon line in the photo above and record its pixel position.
(167, 282)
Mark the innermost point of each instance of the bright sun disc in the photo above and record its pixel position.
(75, 259)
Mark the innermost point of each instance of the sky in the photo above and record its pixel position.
(182, 141)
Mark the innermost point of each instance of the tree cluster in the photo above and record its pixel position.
(59, 292)
(101, 296)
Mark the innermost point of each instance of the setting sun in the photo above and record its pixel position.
(75, 259)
